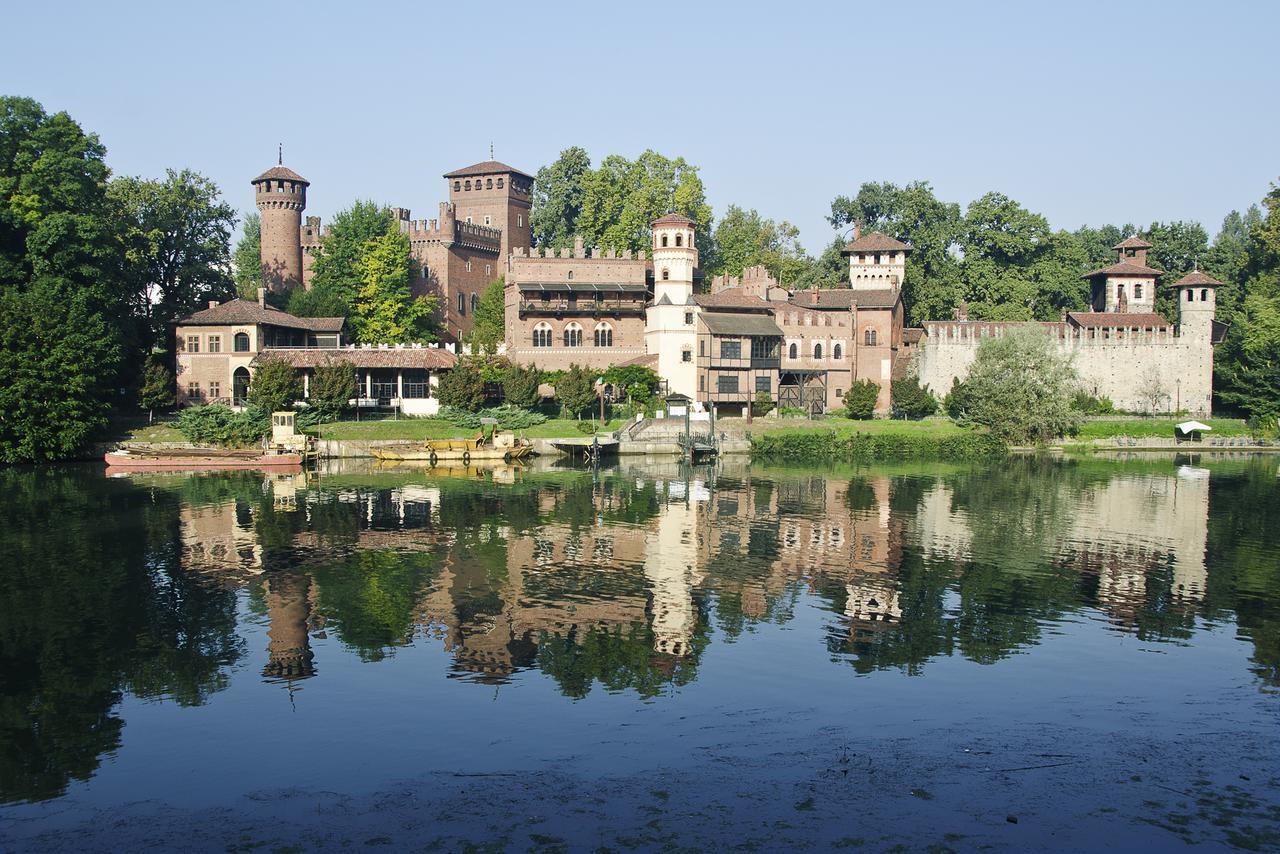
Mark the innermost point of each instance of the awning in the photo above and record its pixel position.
(1192, 427)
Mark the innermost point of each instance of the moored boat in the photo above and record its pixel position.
(503, 446)
(197, 459)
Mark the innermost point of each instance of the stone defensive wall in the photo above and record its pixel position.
(1127, 365)
(449, 229)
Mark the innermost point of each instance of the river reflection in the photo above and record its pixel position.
(622, 580)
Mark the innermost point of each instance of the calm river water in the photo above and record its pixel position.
(1070, 654)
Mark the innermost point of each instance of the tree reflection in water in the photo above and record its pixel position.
(618, 582)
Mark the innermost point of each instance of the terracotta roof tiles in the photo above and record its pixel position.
(238, 311)
(875, 242)
(1125, 268)
(280, 172)
(1116, 319)
(1197, 278)
(488, 167)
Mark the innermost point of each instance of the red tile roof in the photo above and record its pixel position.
(431, 358)
(1116, 319)
(673, 219)
(283, 173)
(730, 298)
(846, 297)
(1197, 278)
(488, 167)
(875, 242)
(240, 311)
(1133, 242)
(1125, 268)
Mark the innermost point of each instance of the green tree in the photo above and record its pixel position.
(520, 386)
(635, 381)
(914, 215)
(336, 274)
(1019, 387)
(860, 400)
(1247, 370)
(558, 191)
(66, 331)
(385, 309)
(576, 390)
(332, 387)
(157, 387)
(622, 198)
(274, 386)
(743, 238)
(828, 270)
(463, 387)
(247, 258)
(489, 320)
(177, 235)
(911, 400)
(763, 403)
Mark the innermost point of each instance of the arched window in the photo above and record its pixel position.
(467, 184)
(1120, 291)
(870, 337)
(666, 274)
(604, 335)
(573, 335)
(499, 183)
(1191, 295)
(462, 303)
(1204, 295)
(475, 301)
(817, 350)
(457, 186)
(570, 274)
(664, 240)
(241, 342)
(1137, 290)
(837, 352)
(542, 335)
(792, 352)
(488, 185)
(679, 240)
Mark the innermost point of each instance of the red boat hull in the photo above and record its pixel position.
(199, 463)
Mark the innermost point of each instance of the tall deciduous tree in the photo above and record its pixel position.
(623, 197)
(337, 277)
(64, 324)
(744, 238)
(274, 386)
(488, 321)
(576, 390)
(558, 191)
(1247, 369)
(177, 235)
(386, 310)
(248, 258)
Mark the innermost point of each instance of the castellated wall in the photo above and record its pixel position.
(1116, 367)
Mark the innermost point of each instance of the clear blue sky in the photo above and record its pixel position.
(1085, 112)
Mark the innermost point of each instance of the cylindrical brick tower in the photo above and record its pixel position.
(281, 196)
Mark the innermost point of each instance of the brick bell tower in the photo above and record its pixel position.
(496, 195)
(281, 196)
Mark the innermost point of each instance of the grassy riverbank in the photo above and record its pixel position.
(865, 441)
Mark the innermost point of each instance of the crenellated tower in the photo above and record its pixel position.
(1197, 304)
(671, 319)
(281, 197)
(494, 195)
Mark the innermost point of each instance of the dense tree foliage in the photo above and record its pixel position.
(860, 400)
(911, 400)
(247, 259)
(743, 238)
(520, 386)
(332, 388)
(336, 273)
(558, 190)
(385, 310)
(157, 386)
(274, 386)
(463, 387)
(67, 338)
(576, 390)
(488, 321)
(1020, 387)
(177, 235)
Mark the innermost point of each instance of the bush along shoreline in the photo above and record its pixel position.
(875, 447)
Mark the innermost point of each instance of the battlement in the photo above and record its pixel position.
(578, 251)
(970, 333)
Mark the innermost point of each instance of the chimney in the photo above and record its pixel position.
(213, 303)
(813, 295)
(262, 297)
(857, 229)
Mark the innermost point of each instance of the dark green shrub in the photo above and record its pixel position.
(274, 386)
(463, 387)
(872, 447)
(520, 386)
(763, 404)
(332, 388)
(223, 426)
(911, 400)
(860, 400)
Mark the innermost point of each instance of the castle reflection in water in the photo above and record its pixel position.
(630, 568)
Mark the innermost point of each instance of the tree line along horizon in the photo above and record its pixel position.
(96, 268)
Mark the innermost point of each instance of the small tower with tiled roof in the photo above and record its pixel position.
(877, 261)
(1128, 285)
(1197, 304)
(671, 319)
(281, 196)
